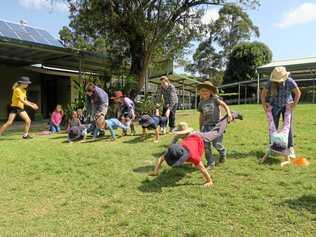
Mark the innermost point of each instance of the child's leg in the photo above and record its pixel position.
(133, 128)
(287, 161)
(218, 144)
(8, 123)
(144, 133)
(265, 157)
(27, 121)
(57, 128)
(208, 154)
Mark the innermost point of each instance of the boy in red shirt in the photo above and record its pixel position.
(189, 150)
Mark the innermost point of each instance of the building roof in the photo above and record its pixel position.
(180, 82)
(22, 45)
(299, 68)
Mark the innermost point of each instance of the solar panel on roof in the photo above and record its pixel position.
(27, 33)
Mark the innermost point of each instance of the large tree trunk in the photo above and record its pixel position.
(139, 66)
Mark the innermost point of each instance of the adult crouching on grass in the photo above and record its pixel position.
(168, 92)
(98, 98)
(19, 101)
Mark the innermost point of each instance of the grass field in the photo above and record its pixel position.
(51, 188)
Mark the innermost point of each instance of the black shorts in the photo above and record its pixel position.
(15, 110)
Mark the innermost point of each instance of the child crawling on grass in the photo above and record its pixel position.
(153, 122)
(111, 124)
(191, 147)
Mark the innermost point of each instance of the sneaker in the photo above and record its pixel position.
(239, 116)
(210, 166)
(27, 137)
(222, 159)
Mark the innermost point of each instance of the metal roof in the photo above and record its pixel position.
(19, 52)
(299, 68)
(180, 82)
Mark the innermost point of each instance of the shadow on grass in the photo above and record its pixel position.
(305, 202)
(167, 178)
(57, 137)
(99, 139)
(138, 138)
(241, 155)
(144, 169)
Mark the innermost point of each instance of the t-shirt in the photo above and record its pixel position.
(56, 118)
(210, 111)
(19, 95)
(195, 145)
(284, 94)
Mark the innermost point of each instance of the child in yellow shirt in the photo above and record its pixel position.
(19, 100)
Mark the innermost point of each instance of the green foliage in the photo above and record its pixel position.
(232, 27)
(244, 61)
(140, 30)
(101, 188)
(146, 106)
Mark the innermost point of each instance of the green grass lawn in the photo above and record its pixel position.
(51, 188)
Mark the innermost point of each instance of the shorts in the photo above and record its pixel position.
(15, 110)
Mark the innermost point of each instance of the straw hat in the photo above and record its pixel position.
(182, 129)
(279, 74)
(208, 85)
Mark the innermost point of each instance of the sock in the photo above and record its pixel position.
(25, 134)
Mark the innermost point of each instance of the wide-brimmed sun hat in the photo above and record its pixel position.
(208, 85)
(24, 80)
(279, 74)
(117, 94)
(176, 155)
(182, 129)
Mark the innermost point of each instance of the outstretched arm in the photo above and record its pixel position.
(297, 95)
(227, 109)
(205, 175)
(264, 94)
(157, 167)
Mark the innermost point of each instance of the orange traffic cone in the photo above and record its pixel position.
(300, 161)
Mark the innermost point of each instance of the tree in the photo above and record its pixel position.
(232, 27)
(244, 61)
(143, 26)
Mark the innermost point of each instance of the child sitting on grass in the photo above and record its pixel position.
(112, 124)
(209, 108)
(56, 119)
(76, 131)
(189, 150)
(153, 122)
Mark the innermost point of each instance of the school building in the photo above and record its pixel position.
(33, 52)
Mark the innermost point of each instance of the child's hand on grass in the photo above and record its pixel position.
(208, 184)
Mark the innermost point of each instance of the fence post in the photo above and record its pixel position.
(313, 90)
(183, 95)
(245, 94)
(196, 92)
(258, 88)
(239, 93)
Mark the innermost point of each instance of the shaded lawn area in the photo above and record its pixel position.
(51, 188)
